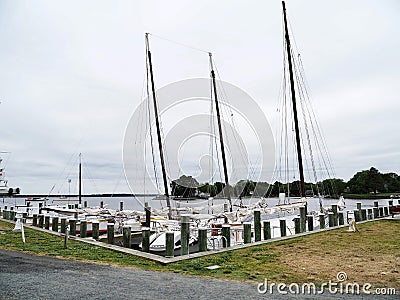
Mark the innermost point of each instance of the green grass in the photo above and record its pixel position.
(293, 260)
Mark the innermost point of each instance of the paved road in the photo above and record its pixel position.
(24, 276)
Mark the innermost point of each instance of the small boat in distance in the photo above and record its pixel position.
(4, 189)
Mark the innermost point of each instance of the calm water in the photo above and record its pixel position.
(137, 203)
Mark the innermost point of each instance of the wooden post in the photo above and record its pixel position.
(357, 215)
(302, 218)
(369, 213)
(341, 218)
(110, 233)
(267, 230)
(331, 219)
(335, 213)
(41, 221)
(146, 239)
(54, 224)
(47, 222)
(121, 206)
(282, 224)
(126, 230)
(24, 216)
(296, 225)
(66, 238)
(321, 221)
(310, 222)
(63, 228)
(72, 226)
(226, 232)
(247, 232)
(363, 214)
(257, 225)
(83, 229)
(95, 230)
(185, 224)
(376, 212)
(202, 239)
(170, 244)
(34, 220)
(380, 212)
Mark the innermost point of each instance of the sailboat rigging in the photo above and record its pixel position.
(160, 145)
(293, 94)
(221, 138)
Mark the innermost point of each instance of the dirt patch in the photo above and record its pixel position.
(368, 256)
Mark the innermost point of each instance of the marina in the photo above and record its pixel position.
(180, 141)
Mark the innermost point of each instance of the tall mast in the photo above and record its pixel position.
(221, 137)
(296, 121)
(160, 147)
(80, 178)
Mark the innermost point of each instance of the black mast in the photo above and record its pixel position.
(80, 178)
(296, 121)
(160, 147)
(221, 138)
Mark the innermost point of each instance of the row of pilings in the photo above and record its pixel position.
(251, 231)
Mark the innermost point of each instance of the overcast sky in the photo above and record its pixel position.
(72, 72)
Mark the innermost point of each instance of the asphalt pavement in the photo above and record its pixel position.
(25, 276)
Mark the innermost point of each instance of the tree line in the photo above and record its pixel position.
(364, 182)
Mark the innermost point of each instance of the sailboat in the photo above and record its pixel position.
(299, 127)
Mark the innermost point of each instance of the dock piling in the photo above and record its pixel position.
(310, 222)
(126, 230)
(257, 225)
(303, 218)
(341, 218)
(54, 224)
(282, 225)
(72, 227)
(331, 219)
(267, 230)
(63, 228)
(335, 214)
(321, 221)
(247, 232)
(185, 227)
(34, 220)
(170, 244)
(146, 239)
(376, 212)
(41, 221)
(363, 214)
(296, 225)
(110, 233)
(226, 233)
(95, 230)
(47, 222)
(202, 239)
(83, 229)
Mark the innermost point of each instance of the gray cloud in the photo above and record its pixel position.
(71, 75)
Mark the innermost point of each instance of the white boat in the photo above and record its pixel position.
(5, 190)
